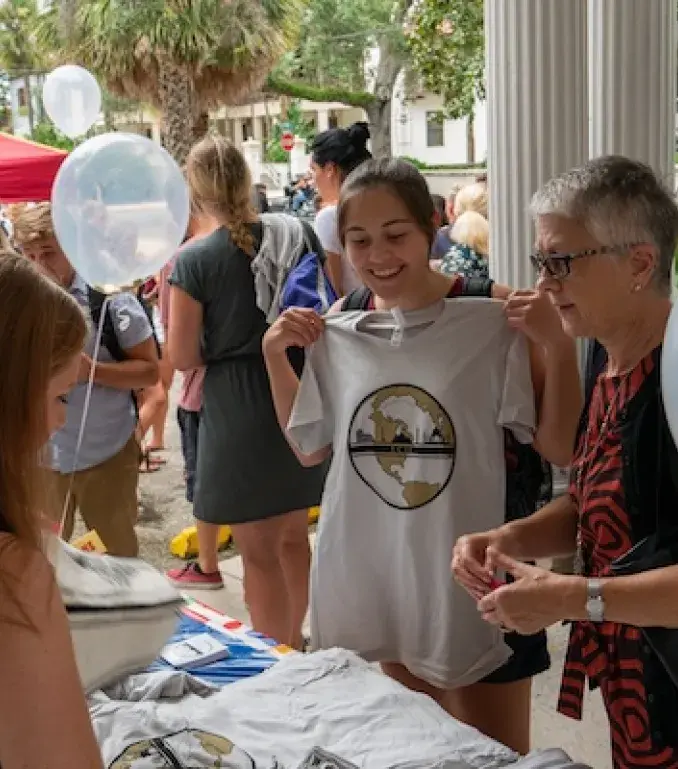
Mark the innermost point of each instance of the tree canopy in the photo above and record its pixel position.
(447, 45)
(181, 56)
(19, 54)
(350, 52)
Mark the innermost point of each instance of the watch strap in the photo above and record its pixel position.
(595, 604)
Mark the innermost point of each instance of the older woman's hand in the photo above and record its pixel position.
(533, 313)
(536, 600)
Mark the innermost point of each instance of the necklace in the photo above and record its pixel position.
(588, 466)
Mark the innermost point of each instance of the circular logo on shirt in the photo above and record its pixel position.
(190, 747)
(402, 444)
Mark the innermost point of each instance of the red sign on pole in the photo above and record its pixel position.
(287, 141)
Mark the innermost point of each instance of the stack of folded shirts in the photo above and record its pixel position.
(121, 612)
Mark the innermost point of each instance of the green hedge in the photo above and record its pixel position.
(444, 167)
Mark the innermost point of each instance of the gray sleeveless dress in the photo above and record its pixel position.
(245, 471)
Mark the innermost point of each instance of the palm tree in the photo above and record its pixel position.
(18, 51)
(180, 56)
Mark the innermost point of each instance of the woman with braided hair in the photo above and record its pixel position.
(247, 475)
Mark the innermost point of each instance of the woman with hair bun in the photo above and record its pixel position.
(334, 154)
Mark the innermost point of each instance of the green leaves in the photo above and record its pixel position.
(224, 47)
(301, 90)
(335, 40)
(18, 52)
(47, 133)
(447, 45)
(294, 122)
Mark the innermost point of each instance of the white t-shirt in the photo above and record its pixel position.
(325, 226)
(416, 426)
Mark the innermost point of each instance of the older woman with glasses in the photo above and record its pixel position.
(606, 237)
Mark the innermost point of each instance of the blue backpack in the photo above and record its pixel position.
(307, 284)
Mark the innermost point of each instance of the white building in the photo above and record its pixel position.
(416, 132)
(19, 90)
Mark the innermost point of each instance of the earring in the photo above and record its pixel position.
(636, 288)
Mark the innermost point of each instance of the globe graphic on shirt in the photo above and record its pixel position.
(402, 444)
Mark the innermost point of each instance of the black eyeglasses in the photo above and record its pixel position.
(559, 265)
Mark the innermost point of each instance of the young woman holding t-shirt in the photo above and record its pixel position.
(386, 224)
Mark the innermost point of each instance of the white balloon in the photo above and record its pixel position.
(120, 209)
(669, 372)
(72, 99)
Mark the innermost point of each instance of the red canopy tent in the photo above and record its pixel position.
(27, 169)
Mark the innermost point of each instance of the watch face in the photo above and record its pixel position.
(595, 608)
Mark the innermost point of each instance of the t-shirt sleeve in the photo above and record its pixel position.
(130, 321)
(189, 275)
(517, 411)
(310, 425)
(326, 229)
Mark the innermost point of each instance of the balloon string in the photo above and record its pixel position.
(85, 412)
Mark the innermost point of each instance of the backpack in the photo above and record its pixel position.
(307, 284)
(529, 477)
(109, 339)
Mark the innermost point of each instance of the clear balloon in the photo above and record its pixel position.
(669, 372)
(72, 99)
(120, 209)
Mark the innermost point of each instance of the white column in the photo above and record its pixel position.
(632, 66)
(156, 133)
(237, 132)
(251, 150)
(257, 128)
(298, 157)
(537, 116)
(323, 120)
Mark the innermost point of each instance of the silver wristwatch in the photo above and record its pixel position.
(595, 603)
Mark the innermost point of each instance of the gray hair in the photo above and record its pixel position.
(619, 201)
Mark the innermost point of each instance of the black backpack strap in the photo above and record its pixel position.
(109, 339)
(479, 287)
(313, 244)
(476, 287)
(359, 299)
(148, 310)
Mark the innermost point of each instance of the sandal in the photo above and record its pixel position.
(147, 464)
(152, 451)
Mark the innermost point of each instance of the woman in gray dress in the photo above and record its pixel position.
(247, 476)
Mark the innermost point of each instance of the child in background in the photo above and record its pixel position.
(444, 222)
(190, 397)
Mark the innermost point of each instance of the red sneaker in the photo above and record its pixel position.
(193, 577)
